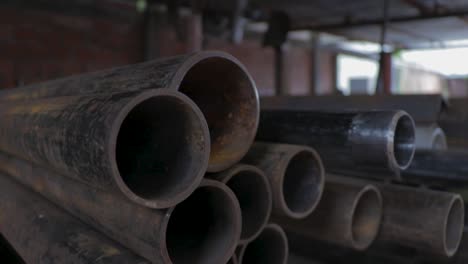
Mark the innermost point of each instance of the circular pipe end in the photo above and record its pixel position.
(159, 148)
(302, 183)
(226, 94)
(252, 189)
(404, 140)
(454, 224)
(205, 228)
(270, 247)
(439, 140)
(366, 217)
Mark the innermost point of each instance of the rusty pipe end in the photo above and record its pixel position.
(226, 94)
(270, 247)
(205, 228)
(302, 184)
(454, 224)
(366, 217)
(252, 189)
(383, 138)
(159, 148)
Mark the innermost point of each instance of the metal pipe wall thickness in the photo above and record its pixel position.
(350, 141)
(440, 168)
(252, 189)
(217, 82)
(44, 234)
(205, 228)
(349, 214)
(431, 221)
(270, 247)
(295, 173)
(152, 146)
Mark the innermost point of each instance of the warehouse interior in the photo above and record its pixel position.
(235, 131)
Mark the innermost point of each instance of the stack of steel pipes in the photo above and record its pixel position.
(174, 161)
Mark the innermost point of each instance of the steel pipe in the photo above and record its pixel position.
(204, 228)
(270, 247)
(217, 82)
(431, 221)
(295, 173)
(348, 141)
(438, 168)
(151, 146)
(233, 260)
(430, 137)
(8, 253)
(43, 233)
(349, 215)
(252, 189)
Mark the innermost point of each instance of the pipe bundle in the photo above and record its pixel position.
(161, 162)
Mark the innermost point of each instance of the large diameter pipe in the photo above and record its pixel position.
(253, 191)
(217, 82)
(270, 247)
(43, 233)
(295, 173)
(377, 140)
(431, 221)
(349, 215)
(204, 228)
(439, 168)
(151, 146)
(430, 137)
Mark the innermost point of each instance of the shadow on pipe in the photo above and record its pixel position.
(204, 228)
(349, 215)
(295, 173)
(270, 247)
(252, 189)
(151, 146)
(43, 233)
(216, 81)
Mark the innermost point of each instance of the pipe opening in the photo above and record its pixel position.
(228, 98)
(162, 150)
(404, 141)
(366, 218)
(204, 228)
(454, 226)
(253, 192)
(268, 248)
(302, 183)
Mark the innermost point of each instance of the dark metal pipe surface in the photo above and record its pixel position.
(152, 146)
(349, 215)
(270, 247)
(295, 173)
(440, 168)
(44, 234)
(217, 82)
(347, 141)
(204, 228)
(252, 189)
(431, 221)
(233, 260)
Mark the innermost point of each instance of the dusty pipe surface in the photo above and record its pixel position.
(295, 173)
(431, 221)
(217, 82)
(209, 221)
(347, 141)
(430, 137)
(151, 146)
(252, 189)
(349, 215)
(270, 247)
(42, 233)
(442, 168)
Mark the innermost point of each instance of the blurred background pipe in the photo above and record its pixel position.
(270, 247)
(228, 99)
(430, 137)
(296, 175)
(252, 189)
(42, 233)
